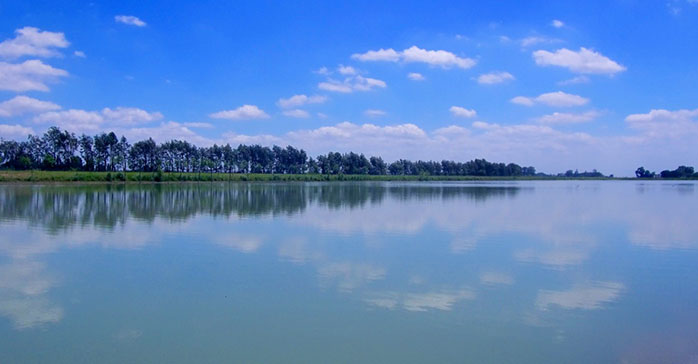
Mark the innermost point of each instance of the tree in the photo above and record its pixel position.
(643, 173)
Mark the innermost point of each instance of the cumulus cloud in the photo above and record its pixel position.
(556, 99)
(346, 70)
(296, 113)
(582, 61)
(130, 20)
(80, 54)
(660, 115)
(20, 105)
(557, 23)
(462, 112)
(73, 119)
(14, 131)
(300, 100)
(414, 54)
(386, 55)
(129, 115)
(414, 76)
(661, 123)
(77, 120)
(351, 84)
(244, 112)
(494, 77)
(30, 75)
(373, 113)
(568, 118)
(30, 41)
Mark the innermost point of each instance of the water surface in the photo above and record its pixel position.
(525, 272)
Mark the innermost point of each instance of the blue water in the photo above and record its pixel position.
(519, 272)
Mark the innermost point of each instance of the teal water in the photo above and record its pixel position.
(517, 272)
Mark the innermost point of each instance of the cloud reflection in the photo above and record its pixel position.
(590, 296)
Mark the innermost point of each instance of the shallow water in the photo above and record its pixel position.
(543, 271)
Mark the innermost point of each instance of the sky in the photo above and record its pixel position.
(607, 85)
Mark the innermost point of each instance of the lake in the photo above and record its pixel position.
(525, 272)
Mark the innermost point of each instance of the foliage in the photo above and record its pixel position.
(58, 150)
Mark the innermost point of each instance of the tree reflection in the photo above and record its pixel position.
(60, 206)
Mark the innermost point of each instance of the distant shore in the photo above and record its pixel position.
(9, 176)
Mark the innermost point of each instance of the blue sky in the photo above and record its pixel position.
(608, 84)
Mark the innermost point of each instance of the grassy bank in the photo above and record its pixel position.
(117, 177)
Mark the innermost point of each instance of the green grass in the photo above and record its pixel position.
(121, 177)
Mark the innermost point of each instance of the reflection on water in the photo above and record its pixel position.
(57, 207)
(532, 271)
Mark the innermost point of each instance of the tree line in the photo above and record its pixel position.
(680, 172)
(60, 149)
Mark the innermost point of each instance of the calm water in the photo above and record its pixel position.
(560, 271)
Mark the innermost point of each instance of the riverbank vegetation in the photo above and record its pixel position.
(59, 155)
(58, 150)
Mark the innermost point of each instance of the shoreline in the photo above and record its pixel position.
(10, 176)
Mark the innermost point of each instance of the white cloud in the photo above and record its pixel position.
(661, 123)
(241, 113)
(494, 77)
(387, 55)
(575, 80)
(300, 100)
(15, 131)
(586, 297)
(335, 86)
(346, 70)
(373, 113)
(83, 121)
(322, 71)
(533, 40)
(31, 41)
(351, 84)
(30, 75)
(129, 20)
(568, 118)
(556, 99)
(129, 115)
(198, 125)
(20, 105)
(661, 115)
(462, 112)
(582, 61)
(414, 76)
(557, 23)
(414, 54)
(522, 100)
(296, 113)
(80, 54)
(74, 120)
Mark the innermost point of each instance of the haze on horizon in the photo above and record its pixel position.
(607, 85)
